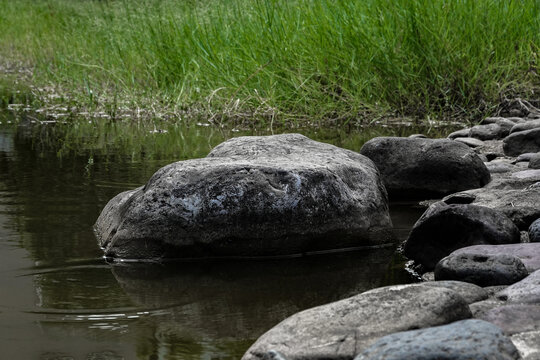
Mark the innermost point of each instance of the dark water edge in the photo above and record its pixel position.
(60, 300)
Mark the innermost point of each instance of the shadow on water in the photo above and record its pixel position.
(73, 305)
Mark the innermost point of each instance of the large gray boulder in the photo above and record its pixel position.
(444, 228)
(482, 270)
(522, 142)
(462, 340)
(343, 329)
(251, 196)
(412, 167)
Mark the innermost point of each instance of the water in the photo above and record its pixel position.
(60, 300)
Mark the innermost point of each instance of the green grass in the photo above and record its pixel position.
(286, 61)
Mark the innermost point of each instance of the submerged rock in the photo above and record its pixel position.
(343, 329)
(444, 228)
(462, 340)
(412, 167)
(251, 196)
(482, 270)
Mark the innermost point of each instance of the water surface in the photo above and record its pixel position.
(60, 300)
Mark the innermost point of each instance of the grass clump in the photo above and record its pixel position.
(288, 61)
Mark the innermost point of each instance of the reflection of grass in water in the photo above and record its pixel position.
(178, 141)
(288, 61)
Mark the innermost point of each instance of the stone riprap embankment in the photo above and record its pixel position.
(477, 235)
(252, 196)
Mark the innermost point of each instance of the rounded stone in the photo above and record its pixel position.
(462, 340)
(412, 167)
(444, 228)
(522, 142)
(482, 270)
(252, 196)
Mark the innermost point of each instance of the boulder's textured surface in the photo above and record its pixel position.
(522, 142)
(413, 167)
(534, 232)
(343, 329)
(528, 344)
(515, 318)
(526, 125)
(489, 131)
(516, 198)
(469, 292)
(534, 161)
(251, 196)
(478, 309)
(444, 228)
(462, 340)
(529, 254)
(469, 141)
(482, 270)
(525, 291)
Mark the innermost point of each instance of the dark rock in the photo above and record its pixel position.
(522, 142)
(526, 125)
(462, 340)
(273, 355)
(534, 162)
(525, 291)
(488, 132)
(529, 254)
(514, 318)
(469, 292)
(444, 228)
(251, 196)
(534, 233)
(418, 167)
(463, 133)
(491, 148)
(482, 270)
(342, 329)
(469, 141)
(528, 344)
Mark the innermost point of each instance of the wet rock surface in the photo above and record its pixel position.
(462, 340)
(343, 329)
(251, 196)
(482, 270)
(444, 228)
(412, 167)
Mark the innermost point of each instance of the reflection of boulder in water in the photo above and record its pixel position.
(245, 298)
